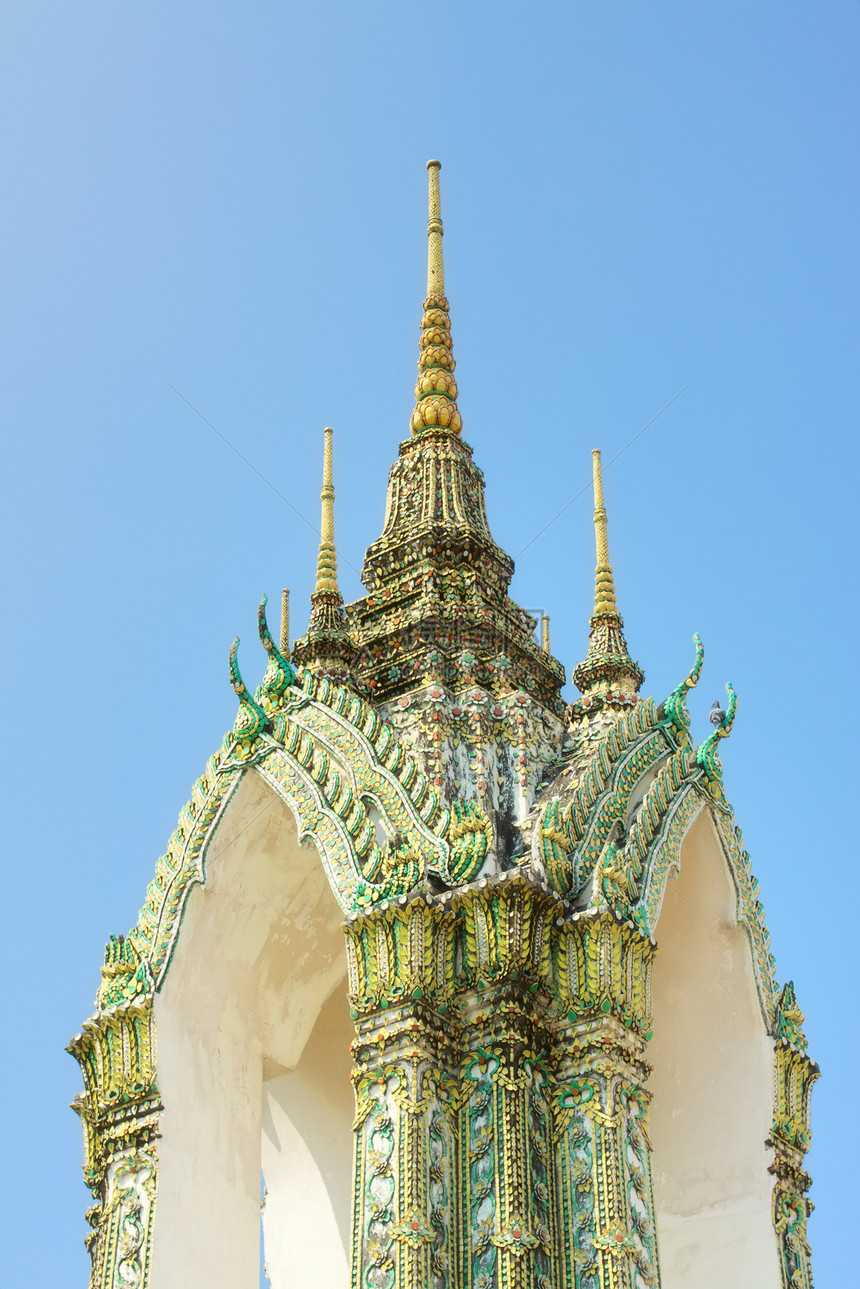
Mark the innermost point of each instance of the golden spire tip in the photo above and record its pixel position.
(285, 623)
(327, 562)
(435, 267)
(436, 390)
(604, 583)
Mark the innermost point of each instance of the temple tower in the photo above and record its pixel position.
(420, 949)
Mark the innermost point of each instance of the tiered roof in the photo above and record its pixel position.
(437, 607)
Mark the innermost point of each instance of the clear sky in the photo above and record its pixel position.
(232, 198)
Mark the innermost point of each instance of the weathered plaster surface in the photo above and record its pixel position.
(307, 1158)
(260, 952)
(712, 1084)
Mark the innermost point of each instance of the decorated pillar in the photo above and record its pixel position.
(602, 970)
(401, 971)
(793, 1075)
(507, 1221)
(119, 1109)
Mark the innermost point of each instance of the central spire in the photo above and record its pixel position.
(435, 233)
(436, 389)
(437, 612)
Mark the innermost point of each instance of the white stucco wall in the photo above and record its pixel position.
(712, 1084)
(259, 953)
(307, 1158)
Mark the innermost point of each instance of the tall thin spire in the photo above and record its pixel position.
(435, 233)
(285, 623)
(604, 582)
(436, 389)
(327, 647)
(608, 670)
(327, 559)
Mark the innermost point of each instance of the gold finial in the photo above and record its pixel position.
(285, 623)
(327, 646)
(436, 390)
(435, 267)
(608, 672)
(604, 583)
(327, 561)
(545, 631)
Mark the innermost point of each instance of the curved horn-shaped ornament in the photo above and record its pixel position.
(279, 674)
(251, 720)
(706, 755)
(726, 727)
(675, 706)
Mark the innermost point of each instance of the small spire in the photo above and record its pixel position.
(604, 582)
(327, 561)
(435, 233)
(327, 647)
(285, 623)
(608, 669)
(436, 390)
(544, 621)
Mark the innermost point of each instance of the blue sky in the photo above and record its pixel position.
(233, 199)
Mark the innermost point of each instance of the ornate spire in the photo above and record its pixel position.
(604, 582)
(327, 559)
(436, 389)
(608, 670)
(285, 623)
(437, 612)
(327, 647)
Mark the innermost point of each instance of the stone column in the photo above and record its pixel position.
(793, 1076)
(506, 1219)
(401, 970)
(119, 1111)
(602, 973)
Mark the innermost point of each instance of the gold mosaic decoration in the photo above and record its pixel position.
(501, 863)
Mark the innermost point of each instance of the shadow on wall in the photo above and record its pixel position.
(307, 1158)
(712, 1084)
(253, 1020)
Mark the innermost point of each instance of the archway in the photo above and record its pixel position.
(248, 1016)
(712, 1083)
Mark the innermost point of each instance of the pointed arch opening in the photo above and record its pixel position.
(711, 1084)
(253, 1062)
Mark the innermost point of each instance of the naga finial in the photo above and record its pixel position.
(436, 390)
(251, 719)
(706, 755)
(675, 706)
(279, 674)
